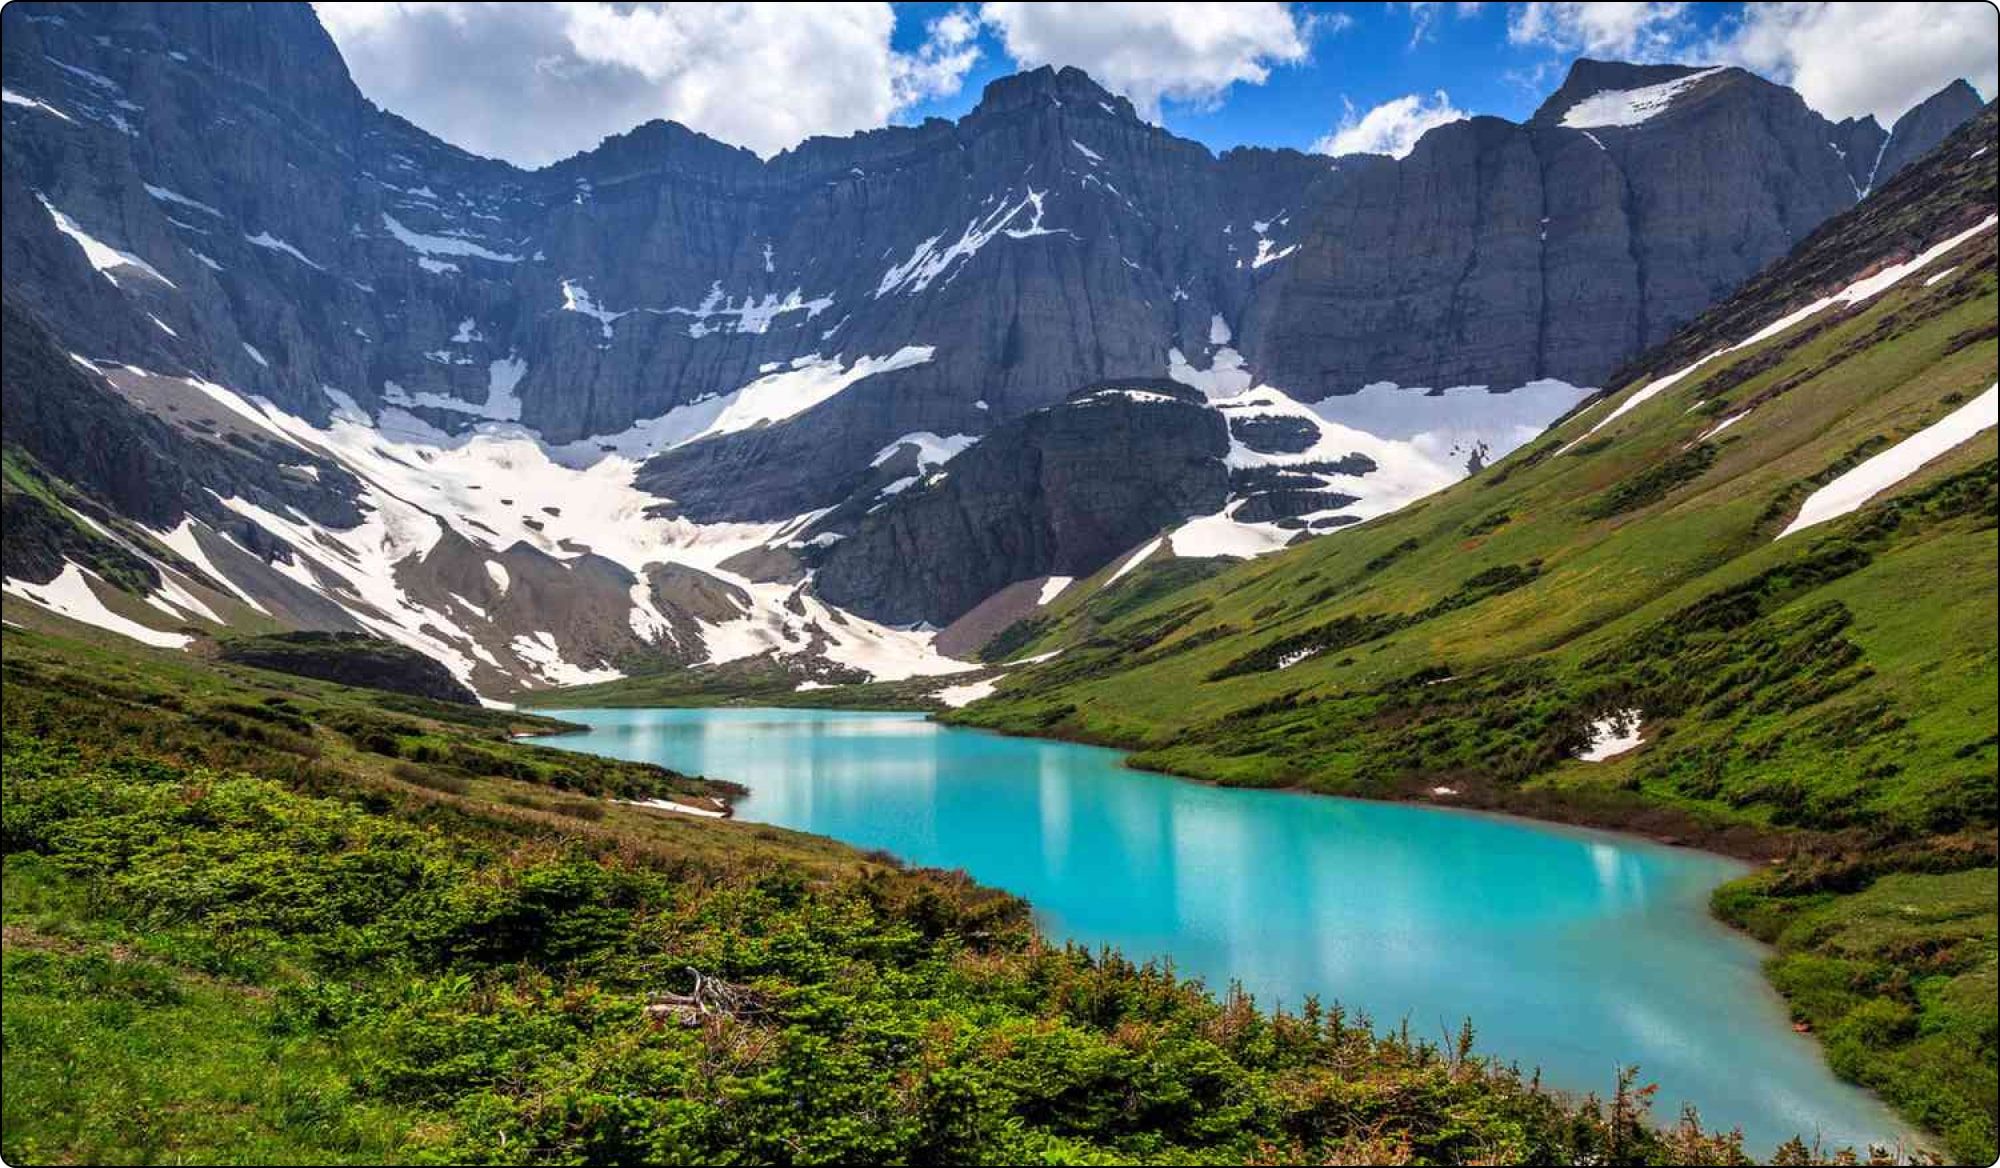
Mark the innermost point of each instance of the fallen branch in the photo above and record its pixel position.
(712, 997)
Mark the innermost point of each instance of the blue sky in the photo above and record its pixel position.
(533, 83)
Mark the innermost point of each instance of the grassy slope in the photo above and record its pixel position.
(238, 930)
(1832, 694)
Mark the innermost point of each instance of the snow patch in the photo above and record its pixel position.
(1268, 253)
(10, 97)
(576, 298)
(1224, 377)
(70, 594)
(1220, 535)
(1052, 588)
(167, 196)
(1612, 735)
(1630, 107)
(1143, 396)
(753, 316)
(1136, 558)
(541, 653)
(269, 242)
(959, 696)
(1853, 489)
(810, 381)
(101, 256)
(1724, 424)
(677, 808)
(437, 245)
(931, 449)
(182, 540)
(1297, 655)
(928, 261)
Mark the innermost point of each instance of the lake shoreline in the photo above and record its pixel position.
(1472, 803)
(1634, 817)
(1467, 799)
(1658, 823)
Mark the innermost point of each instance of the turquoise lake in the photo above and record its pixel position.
(1571, 950)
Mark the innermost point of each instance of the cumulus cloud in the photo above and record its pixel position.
(939, 66)
(1852, 59)
(1391, 128)
(1154, 52)
(1647, 30)
(536, 82)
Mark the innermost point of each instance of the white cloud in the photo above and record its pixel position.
(1647, 30)
(536, 82)
(939, 66)
(1153, 52)
(1850, 59)
(1423, 17)
(1391, 128)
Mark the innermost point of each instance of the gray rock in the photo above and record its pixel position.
(1060, 492)
(1495, 253)
(1924, 126)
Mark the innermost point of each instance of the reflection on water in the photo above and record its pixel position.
(1572, 950)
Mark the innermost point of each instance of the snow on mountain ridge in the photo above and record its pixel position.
(1630, 107)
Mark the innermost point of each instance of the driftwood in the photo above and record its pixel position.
(712, 998)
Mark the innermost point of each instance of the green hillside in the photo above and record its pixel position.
(257, 918)
(1828, 697)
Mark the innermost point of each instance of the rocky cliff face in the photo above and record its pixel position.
(201, 207)
(1057, 492)
(291, 236)
(1923, 127)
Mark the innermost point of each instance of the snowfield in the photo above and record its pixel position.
(1851, 490)
(1630, 107)
(1419, 440)
(71, 595)
(499, 488)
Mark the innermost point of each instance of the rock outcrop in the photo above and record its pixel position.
(350, 659)
(1058, 492)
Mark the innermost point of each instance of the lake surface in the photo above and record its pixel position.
(1570, 949)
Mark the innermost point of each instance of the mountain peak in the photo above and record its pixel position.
(1956, 102)
(1588, 76)
(1050, 85)
(1924, 124)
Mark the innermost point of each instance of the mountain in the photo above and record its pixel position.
(1929, 121)
(1743, 599)
(639, 410)
(1057, 492)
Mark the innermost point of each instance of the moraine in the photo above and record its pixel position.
(1571, 950)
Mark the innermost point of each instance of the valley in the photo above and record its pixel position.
(1017, 637)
